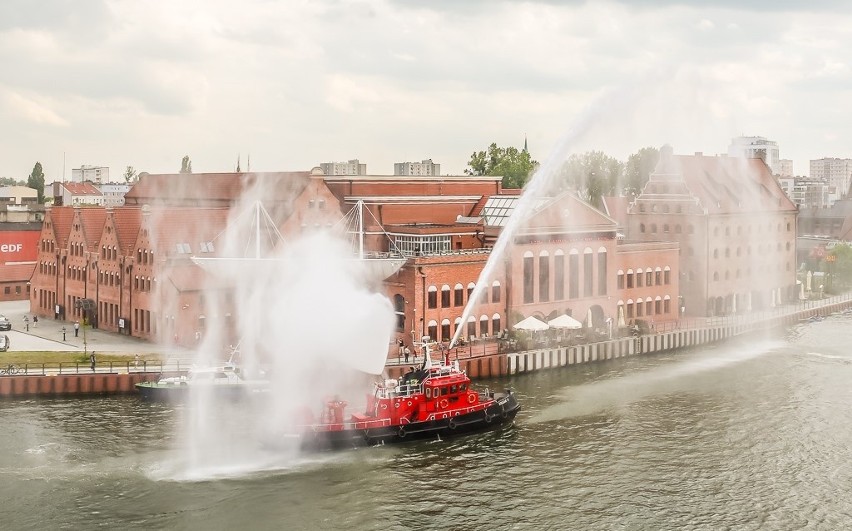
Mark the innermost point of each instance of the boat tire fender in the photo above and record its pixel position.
(487, 418)
(452, 424)
(401, 433)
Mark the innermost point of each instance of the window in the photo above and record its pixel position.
(559, 276)
(495, 291)
(432, 330)
(619, 282)
(641, 227)
(458, 295)
(649, 307)
(528, 277)
(573, 275)
(470, 287)
(432, 298)
(629, 309)
(471, 326)
(649, 278)
(602, 273)
(445, 330)
(495, 323)
(667, 276)
(658, 306)
(639, 277)
(399, 311)
(544, 277)
(629, 279)
(658, 277)
(667, 305)
(587, 273)
(640, 308)
(483, 326)
(445, 296)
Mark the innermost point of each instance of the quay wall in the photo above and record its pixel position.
(547, 358)
(73, 384)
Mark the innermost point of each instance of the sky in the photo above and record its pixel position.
(290, 84)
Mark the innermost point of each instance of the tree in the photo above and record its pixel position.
(593, 174)
(638, 169)
(515, 166)
(129, 175)
(185, 165)
(9, 181)
(36, 180)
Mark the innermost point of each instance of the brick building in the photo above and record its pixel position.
(735, 227)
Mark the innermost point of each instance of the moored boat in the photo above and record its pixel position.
(226, 380)
(434, 400)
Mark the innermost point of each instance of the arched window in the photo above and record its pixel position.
(667, 276)
(544, 276)
(483, 326)
(588, 282)
(558, 275)
(667, 304)
(471, 326)
(432, 330)
(640, 307)
(399, 311)
(658, 305)
(640, 277)
(495, 291)
(432, 298)
(495, 323)
(641, 227)
(573, 274)
(629, 279)
(458, 295)
(629, 306)
(602, 271)
(445, 296)
(470, 287)
(619, 279)
(658, 277)
(446, 335)
(456, 324)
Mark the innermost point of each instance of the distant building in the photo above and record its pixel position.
(735, 226)
(76, 194)
(786, 168)
(756, 147)
(18, 195)
(426, 167)
(113, 193)
(352, 167)
(806, 192)
(95, 174)
(836, 172)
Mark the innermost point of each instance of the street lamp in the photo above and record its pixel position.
(27, 323)
(63, 333)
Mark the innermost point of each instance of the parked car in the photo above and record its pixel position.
(5, 324)
(4, 343)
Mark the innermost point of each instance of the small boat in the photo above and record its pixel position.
(226, 380)
(433, 401)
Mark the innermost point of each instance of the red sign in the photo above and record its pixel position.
(19, 246)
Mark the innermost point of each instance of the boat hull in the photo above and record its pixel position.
(499, 414)
(157, 392)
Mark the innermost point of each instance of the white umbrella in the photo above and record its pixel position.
(621, 316)
(589, 320)
(565, 321)
(531, 324)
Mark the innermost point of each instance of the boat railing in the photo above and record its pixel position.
(399, 391)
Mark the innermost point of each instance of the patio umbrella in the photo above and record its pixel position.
(589, 320)
(565, 321)
(621, 316)
(531, 324)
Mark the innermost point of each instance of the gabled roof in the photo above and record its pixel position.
(127, 221)
(61, 217)
(92, 222)
(190, 226)
(567, 212)
(185, 189)
(81, 189)
(17, 272)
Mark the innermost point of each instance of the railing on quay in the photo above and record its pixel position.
(174, 365)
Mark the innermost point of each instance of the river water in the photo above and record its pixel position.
(753, 433)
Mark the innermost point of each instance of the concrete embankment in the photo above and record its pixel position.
(54, 385)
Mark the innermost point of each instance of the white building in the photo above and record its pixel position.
(836, 172)
(352, 167)
(806, 192)
(18, 195)
(75, 194)
(426, 167)
(113, 193)
(786, 166)
(95, 174)
(752, 147)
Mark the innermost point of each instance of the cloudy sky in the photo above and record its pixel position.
(294, 83)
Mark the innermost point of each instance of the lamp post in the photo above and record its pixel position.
(63, 333)
(27, 323)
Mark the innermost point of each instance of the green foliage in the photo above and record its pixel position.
(130, 175)
(9, 181)
(841, 267)
(36, 180)
(514, 165)
(185, 165)
(638, 169)
(594, 174)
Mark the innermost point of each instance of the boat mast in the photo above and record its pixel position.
(361, 228)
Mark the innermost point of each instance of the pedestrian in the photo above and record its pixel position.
(407, 353)
(136, 361)
(401, 346)
(92, 357)
(76, 328)
(35, 321)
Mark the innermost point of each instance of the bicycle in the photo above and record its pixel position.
(10, 370)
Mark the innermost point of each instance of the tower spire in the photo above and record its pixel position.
(525, 144)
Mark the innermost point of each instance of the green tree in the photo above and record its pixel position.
(638, 169)
(185, 165)
(9, 181)
(36, 180)
(129, 175)
(514, 165)
(593, 174)
(839, 265)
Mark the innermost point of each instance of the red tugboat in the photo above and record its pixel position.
(433, 400)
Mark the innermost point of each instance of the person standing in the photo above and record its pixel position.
(407, 352)
(92, 357)
(76, 328)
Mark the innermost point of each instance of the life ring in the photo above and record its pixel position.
(452, 424)
(401, 433)
(471, 398)
(444, 403)
(384, 406)
(409, 403)
(396, 405)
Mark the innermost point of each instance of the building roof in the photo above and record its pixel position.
(190, 227)
(188, 277)
(92, 221)
(81, 189)
(127, 221)
(17, 272)
(61, 217)
(190, 189)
